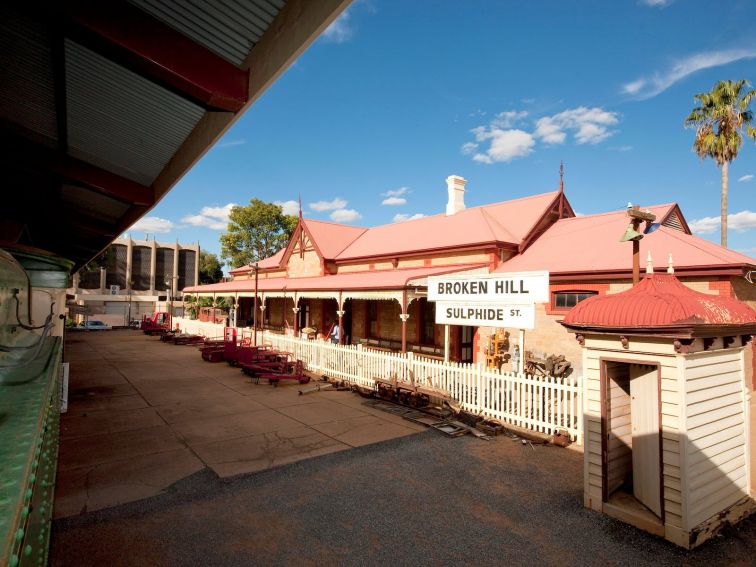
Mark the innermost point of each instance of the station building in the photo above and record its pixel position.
(138, 276)
(373, 281)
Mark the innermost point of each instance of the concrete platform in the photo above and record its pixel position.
(145, 414)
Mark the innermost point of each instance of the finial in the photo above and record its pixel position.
(670, 267)
(649, 264)
(561, 176)
(300, 206)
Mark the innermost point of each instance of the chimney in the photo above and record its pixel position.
(456, 187)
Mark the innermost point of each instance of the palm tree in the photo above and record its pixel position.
(719, 120)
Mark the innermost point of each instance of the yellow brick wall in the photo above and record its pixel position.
(304, 267)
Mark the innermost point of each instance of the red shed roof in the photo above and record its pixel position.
(590, 244)
(660, 302)
(332, 238)
(269, 262)
(378, 279)
(505, 222)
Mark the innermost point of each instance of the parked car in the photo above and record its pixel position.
(92, 325)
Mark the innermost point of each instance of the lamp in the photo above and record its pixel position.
(631, 234)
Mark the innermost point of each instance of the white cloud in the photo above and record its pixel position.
(152, 225)
(231, 143)
(337, 203)
(549, 131)
(340, 30)
(740, 222)
(288, 207)
(650, 86)
(394, 201)
(622, 148)
(656, 3)
(345, 215)
(506, 145)
(745, 178)
(400, 217)
(508, 119)
(469, 148)
(215, 218)
(590, 125)
(396, 192)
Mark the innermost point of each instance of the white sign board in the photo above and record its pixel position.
(516, 315)
(494, 289)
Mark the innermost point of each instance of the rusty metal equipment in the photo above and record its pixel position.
(275, 371)
(407, 393)
(553, 365)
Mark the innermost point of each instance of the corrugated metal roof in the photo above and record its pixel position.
(379, 279)
(92, 203)
(119, 120)
(659, 300)
(231, 32)
(27, 90)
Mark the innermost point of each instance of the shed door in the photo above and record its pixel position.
(644, 408)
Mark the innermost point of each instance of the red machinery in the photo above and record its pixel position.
(159, 324)
(215, 351)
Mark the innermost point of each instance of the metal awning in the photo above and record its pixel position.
(105, 105)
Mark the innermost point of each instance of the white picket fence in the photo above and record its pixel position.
(539, 403)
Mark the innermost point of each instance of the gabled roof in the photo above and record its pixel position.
(508, 222)
(331, 238)
(590, 244)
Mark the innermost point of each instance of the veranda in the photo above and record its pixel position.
(541, 403)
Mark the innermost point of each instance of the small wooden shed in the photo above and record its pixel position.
(667, 440)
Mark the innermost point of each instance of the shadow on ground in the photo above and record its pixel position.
(418, 500)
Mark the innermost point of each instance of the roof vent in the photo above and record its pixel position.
(456, 187)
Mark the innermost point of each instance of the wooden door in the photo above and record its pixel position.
(644, 409)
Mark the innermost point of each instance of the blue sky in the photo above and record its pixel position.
(397, 95)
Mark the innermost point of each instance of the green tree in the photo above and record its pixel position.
(255, 232)
(191, 306)
(719, 120)
(210, 270)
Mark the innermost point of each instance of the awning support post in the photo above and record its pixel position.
(446, 343)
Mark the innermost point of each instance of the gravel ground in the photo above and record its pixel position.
(419, 500)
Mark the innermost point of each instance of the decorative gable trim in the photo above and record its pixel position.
(560, 208)
(301, 241)
(675, 220)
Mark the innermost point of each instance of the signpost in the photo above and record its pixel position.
(486, 315)
(495, 300)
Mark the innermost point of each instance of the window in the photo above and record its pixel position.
(372, 319)
(427, 322)
(569, 299)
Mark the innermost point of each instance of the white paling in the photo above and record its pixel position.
(540, 403)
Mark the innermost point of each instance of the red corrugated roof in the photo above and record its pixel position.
(591, 243)
(659, 300)
(380, 279)
(506, 222)
(269, 262)
(332, 238)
